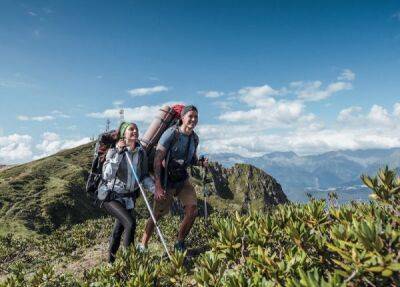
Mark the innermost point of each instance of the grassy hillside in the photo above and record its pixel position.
(40, 196)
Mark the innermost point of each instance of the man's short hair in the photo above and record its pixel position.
(187, 109)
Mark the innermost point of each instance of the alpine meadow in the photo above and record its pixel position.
(150, 143)
(253, 237)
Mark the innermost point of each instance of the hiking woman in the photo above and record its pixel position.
(121, 187)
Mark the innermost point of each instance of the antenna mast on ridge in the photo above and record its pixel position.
(121, 115)
(108, 125)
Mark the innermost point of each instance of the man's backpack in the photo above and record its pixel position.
(168, 116)
(105, 141)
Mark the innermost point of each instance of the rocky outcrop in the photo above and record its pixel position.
(242, 186)
(3, 166)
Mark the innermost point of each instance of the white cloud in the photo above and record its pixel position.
(60, 114)
(349, 114)
(143, 114)
(249, 140)
(35, 118)
(312, 91)
(277, 124)
(223, 105)
(211, 94)
(272, 114)
(18, 148)
(42, 118)
(72, 127)
(52, 143)
(396, 110)
(264, 108)
(257, 96)
(15, 148)
(379, 115)
(347, 75)
(54, 114)
(14, 83)
(74, 143)
(307, 134)
(296, 84)
(118, 103)
(23, 118)
(147, 91)
(138, 114)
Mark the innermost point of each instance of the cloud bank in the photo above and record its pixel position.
(147, 91)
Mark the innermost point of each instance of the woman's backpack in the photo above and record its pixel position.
(104, 142)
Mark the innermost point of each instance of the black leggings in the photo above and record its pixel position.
(125, 221)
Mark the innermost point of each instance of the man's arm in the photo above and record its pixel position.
(161, 152)
(158, 159)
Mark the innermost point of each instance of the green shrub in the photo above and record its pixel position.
(313, 244)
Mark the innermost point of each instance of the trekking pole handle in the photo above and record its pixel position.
(149, 207)
(202, 158)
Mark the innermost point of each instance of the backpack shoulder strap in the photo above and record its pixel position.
(168, 155)
(188, 148)
(196, 144)
(173, 142)
(175, 138)
(196, 140)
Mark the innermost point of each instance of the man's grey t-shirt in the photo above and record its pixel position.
(178, 150)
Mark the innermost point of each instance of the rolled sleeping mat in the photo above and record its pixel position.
(160, 123)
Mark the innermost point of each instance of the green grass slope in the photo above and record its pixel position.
(40, 196)
(44, 194)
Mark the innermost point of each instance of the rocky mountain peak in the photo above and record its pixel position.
(245, 186)
(286, 154)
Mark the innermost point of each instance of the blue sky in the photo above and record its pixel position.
(307, 76)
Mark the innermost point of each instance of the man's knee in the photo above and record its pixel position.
(191, 211)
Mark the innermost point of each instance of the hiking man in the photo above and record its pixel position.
(175, 152)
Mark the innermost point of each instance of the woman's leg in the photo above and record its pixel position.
(115, 240)
(127, 222)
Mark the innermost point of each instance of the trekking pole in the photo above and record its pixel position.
(205, 196)
(205, 192)
(149, 207)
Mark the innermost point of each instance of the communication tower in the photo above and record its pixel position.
(108, 122)
(121, 115)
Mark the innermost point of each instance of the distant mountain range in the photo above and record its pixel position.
(337, 171)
